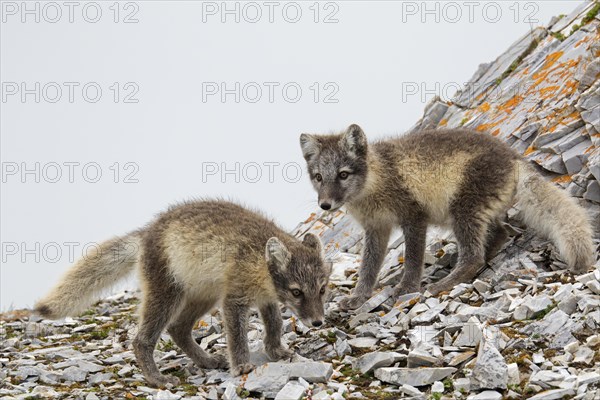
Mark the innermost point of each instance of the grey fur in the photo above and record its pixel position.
(192, 257)
(463, 178)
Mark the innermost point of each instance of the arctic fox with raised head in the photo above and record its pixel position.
(460, 177)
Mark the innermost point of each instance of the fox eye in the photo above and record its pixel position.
(343, 175)
(318, 177)
(296, 293)
(323, 290)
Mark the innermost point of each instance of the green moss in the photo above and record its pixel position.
(558, 35)
(331, 337)
(180, 373)
(167, 345)
(542, 314)
(189, 389)
(448, 384)
(514, 387)
(513, 67)
(7, 333)
(435, 396)
(591, 14)
(100, 334)
(464, 121)
(575, 28)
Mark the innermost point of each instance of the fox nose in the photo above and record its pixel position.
(325, 206)
(317, 323)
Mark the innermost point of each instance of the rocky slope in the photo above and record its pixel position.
(524, 329)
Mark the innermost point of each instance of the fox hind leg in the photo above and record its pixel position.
(496, 238)
(158, 307)
(470, 234)
(181, 328)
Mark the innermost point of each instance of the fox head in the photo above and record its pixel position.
(337, 165)
(300, 276)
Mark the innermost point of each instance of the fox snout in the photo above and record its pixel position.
(328, 203)
(325, 205)
(315, 322)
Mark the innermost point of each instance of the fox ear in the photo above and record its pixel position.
(276, 253)
(313, 241)
(355, 141)
(310, 146)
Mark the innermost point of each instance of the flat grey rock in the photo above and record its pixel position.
(413, 376)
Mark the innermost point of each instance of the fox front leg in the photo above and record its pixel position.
(273, 326)
(376, 241)
(236, 322)
(415, 234)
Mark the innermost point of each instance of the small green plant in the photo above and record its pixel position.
(464, 121)
(591, 14)
(559, 36)
(168, 345)
(514, 387)
(448, 384)
(189, 389)
(545, 312)
(100, 334)
(331, 337)
(435, 396)
(575, 28)
(242, 392)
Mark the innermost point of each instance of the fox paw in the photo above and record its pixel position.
(279, 353)
(242, 369)
(216, 361)
(440, 286)
(402, 290)
(352, 302)
(163, 380)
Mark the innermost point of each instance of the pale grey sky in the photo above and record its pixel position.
(167, 99)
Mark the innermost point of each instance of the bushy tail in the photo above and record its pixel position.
(553, 213)
(103, 267)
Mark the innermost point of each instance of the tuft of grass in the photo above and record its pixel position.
(189, 389)
(518, 61)
(100, 334)
(448, 384)
(545, 312)
(331, 338)
(168, 345)
(575, 28)
(242, 392)
(591, 14)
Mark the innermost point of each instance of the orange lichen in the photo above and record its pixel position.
(548, 92)
(510, 104)
(589, 149)
(582, 41)
(484, 107)
(562, 179)
(496, 132)
(529, 150)
(552, 58)
(444, 122)
(310, 218)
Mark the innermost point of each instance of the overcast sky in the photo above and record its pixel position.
(117, 112)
